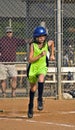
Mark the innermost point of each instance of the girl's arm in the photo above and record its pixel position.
(51, 44)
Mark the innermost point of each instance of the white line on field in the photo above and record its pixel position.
(50, 123)
(16, 117)
(6, 118)
(69, 112)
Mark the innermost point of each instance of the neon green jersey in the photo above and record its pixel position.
(37, 52)
(38, 67)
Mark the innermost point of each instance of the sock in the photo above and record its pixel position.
(31, 94)
(40, 90)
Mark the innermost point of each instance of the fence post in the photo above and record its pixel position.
(58, 38)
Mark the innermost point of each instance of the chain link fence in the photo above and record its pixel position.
(23, 16)
(69, 43)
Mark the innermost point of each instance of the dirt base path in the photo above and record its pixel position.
(57, 115)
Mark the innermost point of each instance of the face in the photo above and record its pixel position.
(41, 39)
(9, 34)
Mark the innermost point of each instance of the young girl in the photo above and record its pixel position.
(37, 68)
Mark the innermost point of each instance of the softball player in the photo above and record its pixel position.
(37, 68)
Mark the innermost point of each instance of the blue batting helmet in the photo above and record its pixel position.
(39, 31)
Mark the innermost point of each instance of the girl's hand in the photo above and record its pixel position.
(52, 57)
(43, 53)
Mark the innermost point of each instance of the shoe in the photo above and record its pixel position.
(4, 95)
(30, 112)
(40, 105)
(13, 95)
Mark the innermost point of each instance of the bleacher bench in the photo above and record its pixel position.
(52, 71)
(64, 72)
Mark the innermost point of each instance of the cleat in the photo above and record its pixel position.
(40, 105)
(30, 112)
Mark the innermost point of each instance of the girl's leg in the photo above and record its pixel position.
(40, 91)
(31, 99)
(14, 85)
(3, 84)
